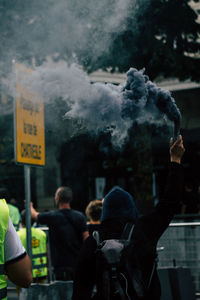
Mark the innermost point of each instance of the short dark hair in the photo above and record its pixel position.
(65, 194)
(93, 210)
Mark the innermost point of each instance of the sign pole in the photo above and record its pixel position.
(27, 177)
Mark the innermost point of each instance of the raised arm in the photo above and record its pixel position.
(34, 212)
(168, 204)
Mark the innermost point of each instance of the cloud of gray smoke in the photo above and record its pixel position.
(105, 107)
(68, 29)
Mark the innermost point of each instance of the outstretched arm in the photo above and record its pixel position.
(164, 211)
(34, 212)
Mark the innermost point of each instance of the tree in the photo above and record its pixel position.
(165, 42)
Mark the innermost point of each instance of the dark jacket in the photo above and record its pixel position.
(147, 231)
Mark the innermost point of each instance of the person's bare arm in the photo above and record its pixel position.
(34, 212)
(20, 272)
(85, 235)
(176, 150)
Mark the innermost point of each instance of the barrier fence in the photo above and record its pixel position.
(179, 252)
(57, 290)
(180, 247)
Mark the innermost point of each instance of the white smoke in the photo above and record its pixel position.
(71, 29)
(64, 28)
(103, 107)
(96, 106)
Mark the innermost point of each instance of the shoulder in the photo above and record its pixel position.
(38, 231)
(46, 217)
(49, 213)
(93, 227)
(76, 213)
(76, 216)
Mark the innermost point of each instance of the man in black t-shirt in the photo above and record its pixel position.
(67, 230)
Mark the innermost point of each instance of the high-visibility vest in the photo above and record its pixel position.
(14, 215)
(39, 250)
(4, 218)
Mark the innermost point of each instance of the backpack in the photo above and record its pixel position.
(116, 280)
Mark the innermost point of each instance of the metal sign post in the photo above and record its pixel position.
(27, 177)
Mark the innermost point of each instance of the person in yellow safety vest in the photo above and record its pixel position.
(13, 209)
(14, 213)
(39, 250)
(4, 225)
(14, 261)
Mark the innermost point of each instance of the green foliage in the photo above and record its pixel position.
(165, 42)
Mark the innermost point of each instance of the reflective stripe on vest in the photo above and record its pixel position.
(39, 255)
(40, 266)
(4, 218)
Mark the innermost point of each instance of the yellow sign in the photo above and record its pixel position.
(29, 121)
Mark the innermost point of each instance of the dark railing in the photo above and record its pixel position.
(181, 246)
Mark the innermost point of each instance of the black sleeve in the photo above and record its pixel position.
(81, 222)
(155, 223)
(85, 271)
(45, 218)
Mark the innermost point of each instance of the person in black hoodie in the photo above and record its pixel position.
(118, 209)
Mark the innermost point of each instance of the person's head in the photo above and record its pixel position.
(119, 204)
(13, 201)
(93, 210)
(63, 195)
(23, 218)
